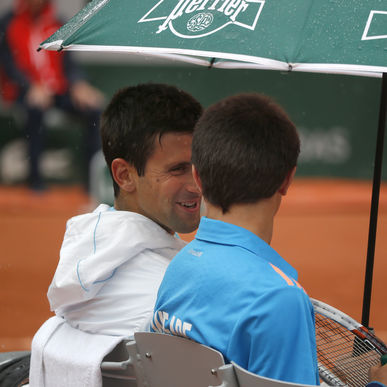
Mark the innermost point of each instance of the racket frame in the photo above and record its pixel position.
(352, 325)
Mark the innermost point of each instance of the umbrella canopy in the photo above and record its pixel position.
(332, 36)
(310, 35)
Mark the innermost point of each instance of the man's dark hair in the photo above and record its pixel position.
(243, 148)
(137, 115)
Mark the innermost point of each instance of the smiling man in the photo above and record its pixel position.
(113, 259)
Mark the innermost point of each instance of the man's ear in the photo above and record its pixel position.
(288, 180)
(124, 174)
(196, 178)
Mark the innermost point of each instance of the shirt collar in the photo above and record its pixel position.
(219, 232)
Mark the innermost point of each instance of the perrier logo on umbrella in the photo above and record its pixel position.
(198, 18)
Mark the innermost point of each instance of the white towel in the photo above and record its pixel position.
(64, 356)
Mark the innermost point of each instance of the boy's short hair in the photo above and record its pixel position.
(243, 148)
(136, 115)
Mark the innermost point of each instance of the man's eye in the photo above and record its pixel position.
(179, 169)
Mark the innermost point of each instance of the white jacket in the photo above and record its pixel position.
(111, 265)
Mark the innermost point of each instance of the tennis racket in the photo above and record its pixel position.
(345, 349)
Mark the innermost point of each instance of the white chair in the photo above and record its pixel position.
(160, 360)
(171, 361)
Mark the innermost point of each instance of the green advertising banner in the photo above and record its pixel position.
(336, 115)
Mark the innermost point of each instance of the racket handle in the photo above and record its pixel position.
(383, 359)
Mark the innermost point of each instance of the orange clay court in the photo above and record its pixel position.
(321, 229)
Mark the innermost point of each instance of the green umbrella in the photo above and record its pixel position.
(344, 36)
(332, 36)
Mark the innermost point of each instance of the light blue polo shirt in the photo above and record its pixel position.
(228, 289)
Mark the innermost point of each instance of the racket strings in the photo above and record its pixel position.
(342, 354)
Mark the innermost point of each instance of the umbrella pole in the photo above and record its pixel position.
(375, 203)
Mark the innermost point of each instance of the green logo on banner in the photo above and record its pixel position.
(376, 26)
(198, 18)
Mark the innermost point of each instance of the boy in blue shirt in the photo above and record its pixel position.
(228, 289)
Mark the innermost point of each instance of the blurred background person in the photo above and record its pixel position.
(36, 81)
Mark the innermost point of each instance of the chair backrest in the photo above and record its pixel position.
(160, 360)
(171, 361)
(248, 379)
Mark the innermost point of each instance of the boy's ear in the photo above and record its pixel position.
(288, 180)
(124, 174)
(196, 178)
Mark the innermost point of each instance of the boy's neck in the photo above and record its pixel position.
(256, 217)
